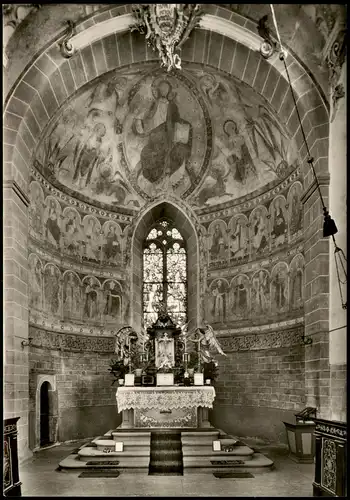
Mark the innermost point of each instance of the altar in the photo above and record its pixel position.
(165, 407)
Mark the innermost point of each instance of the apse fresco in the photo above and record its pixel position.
(66, 295)
(138, 132)
(250, 148)
(276, 292)
(129, 136)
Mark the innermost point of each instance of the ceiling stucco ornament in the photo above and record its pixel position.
(166, 28)
(12, 16)
(269, 45)
(67, 47)
(339, 93)
(334, 52)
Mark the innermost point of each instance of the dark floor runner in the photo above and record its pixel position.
(99, 473)
(166, 454)
(227, 462)
(101, 462)
(232, 475)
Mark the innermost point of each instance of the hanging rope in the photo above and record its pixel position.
(338, 252)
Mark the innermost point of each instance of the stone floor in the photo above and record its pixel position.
(40, 478)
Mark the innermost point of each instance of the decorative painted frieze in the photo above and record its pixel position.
(63, 341)
(284, 338)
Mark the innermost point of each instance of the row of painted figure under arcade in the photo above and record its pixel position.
(263, 231)
(67, 295)
(65, 230)
(258, 294)
(243, 237)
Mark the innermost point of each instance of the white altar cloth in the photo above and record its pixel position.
(165, 398)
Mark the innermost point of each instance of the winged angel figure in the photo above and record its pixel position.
(167, 27)
(122, 342)
(206, 341)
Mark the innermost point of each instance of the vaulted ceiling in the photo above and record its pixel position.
(225, 81)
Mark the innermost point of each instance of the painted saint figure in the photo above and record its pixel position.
(280, 290)
(217, 250)
(238, 240)
(52, 290)
(91, 305)
(104, 102)
(259, 240)
(36, 285)
(240, 298)
(280, 224)
(219, 305)
(260, 288)
(92, 243)
(53, 231)
(71, 297)
(296, 216)
(169, 136)
(239, 157)
(72, 240)
(111, 248)
(112, 302)
(87, 155)
(36, 208)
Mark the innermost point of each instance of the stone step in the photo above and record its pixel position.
(258, 463)
(128, 444)
(132, 464)
(200, 434)
(244, 451)
(89, 453)
(119, 436)
(192, 441)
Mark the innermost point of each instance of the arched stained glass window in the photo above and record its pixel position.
(164, 273)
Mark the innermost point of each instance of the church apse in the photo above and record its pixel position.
(198, 147)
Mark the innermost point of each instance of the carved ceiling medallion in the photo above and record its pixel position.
(167, 27)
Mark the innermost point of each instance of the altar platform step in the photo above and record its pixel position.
(130, 436)
(125, 464)
(92, 453)
(129, 442)
(198, 465)
(238, 453)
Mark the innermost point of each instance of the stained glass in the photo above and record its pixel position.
(152, 235)
(164, 273)
(174, 233)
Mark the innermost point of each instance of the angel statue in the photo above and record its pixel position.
(206, 341)
(122, 343)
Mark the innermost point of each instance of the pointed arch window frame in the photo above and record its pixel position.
(160, 241)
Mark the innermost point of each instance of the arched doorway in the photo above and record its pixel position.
(45, 413)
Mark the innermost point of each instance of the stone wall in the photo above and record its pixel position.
(257, 386)
(15, 321)
(78, 365)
